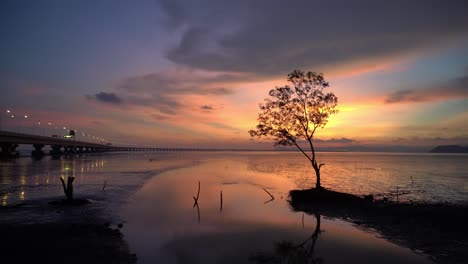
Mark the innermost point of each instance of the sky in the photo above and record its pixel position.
(181, 73)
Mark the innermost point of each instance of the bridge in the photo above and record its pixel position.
(9, 141)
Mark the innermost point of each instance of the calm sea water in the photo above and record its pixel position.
(152, 193)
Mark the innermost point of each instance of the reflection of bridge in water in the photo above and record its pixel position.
(9, 141)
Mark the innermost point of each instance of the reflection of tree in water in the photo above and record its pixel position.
(288, 252)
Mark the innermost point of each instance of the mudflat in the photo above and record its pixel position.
(60, 233)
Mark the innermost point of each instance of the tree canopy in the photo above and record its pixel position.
(293, 113)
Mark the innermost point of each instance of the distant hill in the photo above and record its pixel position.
(449, 149)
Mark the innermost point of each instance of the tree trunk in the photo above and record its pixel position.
(317, 184)
(317, 174)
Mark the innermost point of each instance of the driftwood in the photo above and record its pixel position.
(272, 197)
(68, 188)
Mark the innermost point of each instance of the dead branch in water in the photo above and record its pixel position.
(68, 188)
(221, 200)
(195, 202)
(198, 212)
(272, 197)
(195, 199)
(104, 186)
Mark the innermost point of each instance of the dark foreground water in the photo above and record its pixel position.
(152, 194)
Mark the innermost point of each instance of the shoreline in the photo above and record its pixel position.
(438, 230)
(89, 231)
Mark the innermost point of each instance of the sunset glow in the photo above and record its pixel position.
(197, 79)
(234, 131)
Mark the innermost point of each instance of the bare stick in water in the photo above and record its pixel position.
(68, 189)
(198, 212)
(104, 186)
(272, 197)
(221, 200)
(63, 185)
(195, 199)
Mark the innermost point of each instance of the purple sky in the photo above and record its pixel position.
(191, 73)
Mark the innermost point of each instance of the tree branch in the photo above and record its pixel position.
(311, 145)
(305, 154)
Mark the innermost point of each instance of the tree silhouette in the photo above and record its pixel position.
(291, 115)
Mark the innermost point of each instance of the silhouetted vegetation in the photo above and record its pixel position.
(293, 114)
(450, 149)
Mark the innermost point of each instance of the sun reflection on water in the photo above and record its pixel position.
(167, 218)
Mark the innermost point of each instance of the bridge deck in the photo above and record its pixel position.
(19, 138)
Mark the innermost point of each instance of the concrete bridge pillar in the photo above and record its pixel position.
(37, 151)
(55, 150)
(70, 149)
(8, 150)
